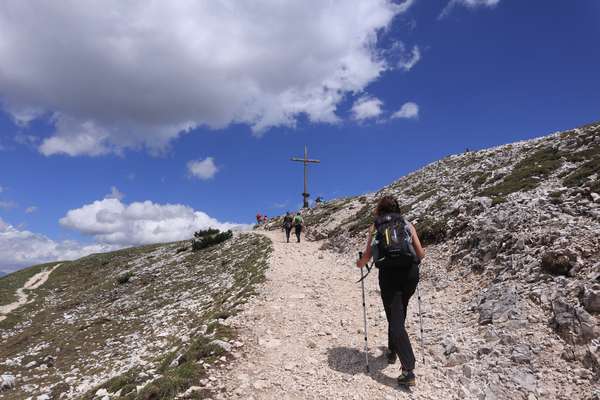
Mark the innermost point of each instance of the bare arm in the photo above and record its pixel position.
(367, 253)
(417, 243)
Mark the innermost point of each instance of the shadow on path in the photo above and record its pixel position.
(352, 361)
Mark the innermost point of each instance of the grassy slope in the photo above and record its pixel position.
(10, 283)
(104, 311)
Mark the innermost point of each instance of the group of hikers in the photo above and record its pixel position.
(296, 222)
(261, 219)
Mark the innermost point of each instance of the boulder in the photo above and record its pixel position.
(573, 324)
(525, 380)
(449, 346)
(521, 354)
(224, 345)
(7, 381)
(499, 304)
(558, 262)
(591, 299)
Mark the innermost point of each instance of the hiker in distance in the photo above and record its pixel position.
(298, 225)
(288, 222)
(396, 250)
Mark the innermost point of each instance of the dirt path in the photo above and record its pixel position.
(32, 283)
(304, 339)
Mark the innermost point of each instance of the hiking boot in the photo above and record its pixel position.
(391, 357)
(407, 378)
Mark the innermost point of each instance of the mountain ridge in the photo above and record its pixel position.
(513, 240)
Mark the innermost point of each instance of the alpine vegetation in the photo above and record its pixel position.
(209, 237)
(140, 323)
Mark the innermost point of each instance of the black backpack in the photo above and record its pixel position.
(392, 245)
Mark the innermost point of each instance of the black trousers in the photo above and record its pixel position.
(397, 286)
(287, 232)
(297, 231)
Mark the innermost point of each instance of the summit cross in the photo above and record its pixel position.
(306, 161)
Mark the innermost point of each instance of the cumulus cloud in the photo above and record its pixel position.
(469, 4)
(366, 107)
(110, 221)
(31, 210)
(202, 169)
(408, 110)
(20, 248)
(148, 72)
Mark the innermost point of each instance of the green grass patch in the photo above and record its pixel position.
(432, 231)
(362, 219)
(480, 178)
(527, 174)
(581, 175)
(174, 381)
(498, 200)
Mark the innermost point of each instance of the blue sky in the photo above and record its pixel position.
(120, 108)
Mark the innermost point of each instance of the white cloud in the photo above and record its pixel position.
(407, 62)
(31, 210)
(20, 248)
(403, 57)
(366, 107)
(76, 137)
(202, 169)
(469, 4)
(408, 110)
(112, 222)
(147, 72)
(114, 194)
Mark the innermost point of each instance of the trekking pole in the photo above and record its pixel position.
(364, 304)
(421, 323)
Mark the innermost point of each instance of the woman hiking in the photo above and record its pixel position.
(396, 250)
(288, 222)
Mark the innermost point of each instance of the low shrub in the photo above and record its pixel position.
(124, 278)
(209, 237)
(431, 231)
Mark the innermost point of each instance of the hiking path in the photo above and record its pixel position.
(32, 283)
(303, 333)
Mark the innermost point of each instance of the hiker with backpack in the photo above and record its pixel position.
(298, 225)
(288, 222)
(396, 250)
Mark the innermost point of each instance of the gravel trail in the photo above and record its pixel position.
(32, 283)
(303, 332)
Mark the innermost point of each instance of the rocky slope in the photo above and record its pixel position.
(142, 323)
(518, 229)
(510, 287)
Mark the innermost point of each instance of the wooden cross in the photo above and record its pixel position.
(306, 161)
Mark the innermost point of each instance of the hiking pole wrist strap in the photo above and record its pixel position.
(363, 276)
